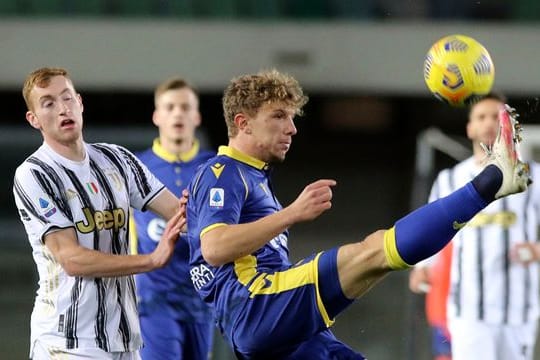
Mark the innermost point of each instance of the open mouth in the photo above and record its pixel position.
(67, 123)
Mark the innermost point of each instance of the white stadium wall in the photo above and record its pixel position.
(381, 58)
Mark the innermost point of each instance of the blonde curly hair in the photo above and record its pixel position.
(247, 93)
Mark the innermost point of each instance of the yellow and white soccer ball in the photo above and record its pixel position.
(458, 70)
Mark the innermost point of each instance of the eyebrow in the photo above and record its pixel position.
(283, 111)
(45, 97)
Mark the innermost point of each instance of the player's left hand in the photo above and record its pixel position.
(315, 199)
(165, 248)
(525, 253)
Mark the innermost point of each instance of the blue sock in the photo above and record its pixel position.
(485, 185)
(425, 231)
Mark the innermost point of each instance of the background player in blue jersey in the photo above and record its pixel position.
(266, 307)
(175, 323)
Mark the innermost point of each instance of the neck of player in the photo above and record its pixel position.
(176, 146)
(72, 150)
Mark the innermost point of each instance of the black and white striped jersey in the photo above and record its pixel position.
(485, 284)
(94, 197)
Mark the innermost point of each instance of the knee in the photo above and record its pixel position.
(380, 250)
(375, 241)
(377, 236)
(371, 251)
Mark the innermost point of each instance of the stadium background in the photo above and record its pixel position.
(361, 64)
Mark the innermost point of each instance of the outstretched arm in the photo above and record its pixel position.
(226, 243)
(77, 260)
(166, 204)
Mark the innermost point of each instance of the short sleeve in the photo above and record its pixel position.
(143, 185)
(217, 199)
(40, 203)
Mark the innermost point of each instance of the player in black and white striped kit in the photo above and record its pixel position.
(493, 301)
(74, 200)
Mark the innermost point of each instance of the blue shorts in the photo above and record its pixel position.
(440, 342)
(288, 315)
(165, 337)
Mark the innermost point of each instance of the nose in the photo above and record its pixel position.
(64, 108)
(291, 130)
(178, 111)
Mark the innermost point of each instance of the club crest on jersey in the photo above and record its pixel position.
(47, 209)
(217, 197)
(116, 179)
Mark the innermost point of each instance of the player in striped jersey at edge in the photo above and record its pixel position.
(267, 308)
(74, 200)
(493, 301)
(175, 322)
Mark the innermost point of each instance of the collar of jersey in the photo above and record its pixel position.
(160, 151)
(240, 156)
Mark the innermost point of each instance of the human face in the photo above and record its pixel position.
(484, 121)
(177, 115)
(57, 111)
(272, 129)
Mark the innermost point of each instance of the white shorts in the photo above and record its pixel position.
(42, 351)
(478, 340)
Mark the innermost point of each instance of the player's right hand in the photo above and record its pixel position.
(313, 201)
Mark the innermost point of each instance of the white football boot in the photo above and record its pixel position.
(504, 153)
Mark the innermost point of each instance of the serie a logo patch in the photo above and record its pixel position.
(217, 197)
(47, 208)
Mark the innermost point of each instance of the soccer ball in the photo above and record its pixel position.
(458, 70)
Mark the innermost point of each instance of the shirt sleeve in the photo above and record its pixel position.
(143, 185)
(41, 205)
(218, 199)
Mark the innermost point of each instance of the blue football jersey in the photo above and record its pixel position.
(265, 307)
(232, 188)
(171, 284)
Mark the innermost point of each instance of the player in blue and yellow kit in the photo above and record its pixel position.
(175, 323)
(265, 307)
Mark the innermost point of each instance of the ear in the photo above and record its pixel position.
(242, 123)
(80, 102)
(155, 119)
(33, 120)
(469, 130)
(197, 120)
